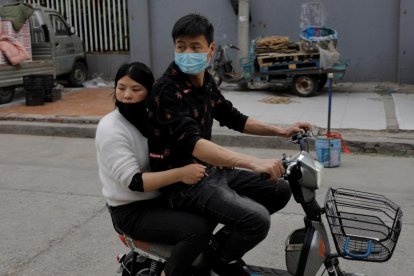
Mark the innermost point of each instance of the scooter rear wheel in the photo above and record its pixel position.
(142, 269)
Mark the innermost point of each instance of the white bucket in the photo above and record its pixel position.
(328, 151)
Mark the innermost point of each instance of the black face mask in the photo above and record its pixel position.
(136, 114)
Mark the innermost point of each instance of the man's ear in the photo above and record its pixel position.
(212, 48)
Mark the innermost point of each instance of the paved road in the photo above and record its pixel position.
(53, 220)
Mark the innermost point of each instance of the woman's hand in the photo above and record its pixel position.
(192, 174)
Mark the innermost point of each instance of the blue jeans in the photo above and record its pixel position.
(239, 199)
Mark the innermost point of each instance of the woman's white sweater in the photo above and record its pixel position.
(122, 151)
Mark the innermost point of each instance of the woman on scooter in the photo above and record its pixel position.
(131, 190)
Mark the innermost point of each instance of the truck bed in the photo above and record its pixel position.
(42, 63)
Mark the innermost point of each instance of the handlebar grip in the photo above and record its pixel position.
(296, 137)
(285, 163)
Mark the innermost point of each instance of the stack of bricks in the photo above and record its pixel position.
(22, 36)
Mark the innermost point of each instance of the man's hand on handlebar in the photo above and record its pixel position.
(297, 127)
(271, 168)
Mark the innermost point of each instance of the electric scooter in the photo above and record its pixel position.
(364, 227)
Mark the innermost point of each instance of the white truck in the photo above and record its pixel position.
(55, 50)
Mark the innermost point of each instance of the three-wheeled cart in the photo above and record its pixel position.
(275, 60)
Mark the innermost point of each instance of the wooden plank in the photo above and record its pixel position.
(265, 60)
(274, 67)
(269, 55)
(292, 66)
(272, 40)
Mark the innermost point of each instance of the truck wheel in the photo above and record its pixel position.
(6, 94)
(305, 86)
(78, 74)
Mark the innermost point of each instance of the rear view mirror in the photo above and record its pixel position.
(72, 30)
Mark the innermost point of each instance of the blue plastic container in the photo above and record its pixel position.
(314, 35)
(328, 151)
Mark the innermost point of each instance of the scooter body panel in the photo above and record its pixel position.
(306, 249)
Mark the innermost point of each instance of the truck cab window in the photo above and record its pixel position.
(39, 30)
(59, 25)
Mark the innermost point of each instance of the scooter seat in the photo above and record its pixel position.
(155, 251)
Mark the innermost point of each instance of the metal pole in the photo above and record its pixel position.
(243, 29)
(330, 77)
(95, 45)
(85, 28)
(104, 21)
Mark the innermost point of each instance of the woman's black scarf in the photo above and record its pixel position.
(136, 114)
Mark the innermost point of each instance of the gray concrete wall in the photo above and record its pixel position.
(105, 65)
(406, 51)
(139, 30)
(375, 35)
(164, 13)
(367, 32)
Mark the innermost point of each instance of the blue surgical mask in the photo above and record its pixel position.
(191, 63)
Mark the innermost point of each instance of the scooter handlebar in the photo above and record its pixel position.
(300, 138)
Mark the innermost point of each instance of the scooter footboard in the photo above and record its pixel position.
(267, 271)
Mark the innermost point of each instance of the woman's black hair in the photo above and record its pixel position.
(137, 71)
(135, 113)
(193, 25)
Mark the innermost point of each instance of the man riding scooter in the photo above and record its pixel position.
(182, 107)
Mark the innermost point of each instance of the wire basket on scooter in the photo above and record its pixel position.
(364, 226)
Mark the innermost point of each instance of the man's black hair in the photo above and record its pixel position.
(193, 25)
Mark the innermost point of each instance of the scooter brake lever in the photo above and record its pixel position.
(295, 138)
(289, 168)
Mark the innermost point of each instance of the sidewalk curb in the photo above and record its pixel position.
(384, 146)
(358, 141)
(48, 129)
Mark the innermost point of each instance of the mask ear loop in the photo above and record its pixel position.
(209, 49)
